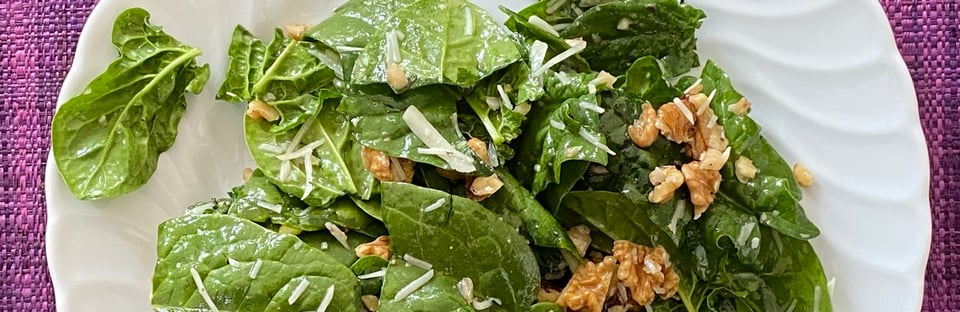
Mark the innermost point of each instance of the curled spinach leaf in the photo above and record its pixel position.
(107, 139)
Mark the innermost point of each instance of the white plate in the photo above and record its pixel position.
(825, 78)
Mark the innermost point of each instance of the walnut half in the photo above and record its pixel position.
(646, 272)
(643, 132)
(589, 287)
(666, 180)
(703, 185)
(386, 168)
(379, 247)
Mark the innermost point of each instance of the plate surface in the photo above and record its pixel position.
(824, 76)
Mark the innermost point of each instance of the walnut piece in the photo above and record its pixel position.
(589, 287)
(646, 272)
(665, 180)
(259, 110)
(740, 108)
(379, 247)
(708, 134)
(714, 159)
(744, 169)
(643, 132)
(547, 295)
(480, 188)
(580, 235)
(674, 122)
(397, 77)
(803, 176)
(480, 148)
(370, 302)
(295, 31)
(386, 168)
(703, 185)
(247, 173)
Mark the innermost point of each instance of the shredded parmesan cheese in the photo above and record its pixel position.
(576, 47)
(270, 206)
(233, 262)
(468, 18)
(538, 22)
(302, 152)
(624, 24)
(465, 286)
(745, 231)
(592, 139)
(297, 292)
(695, 85)
(413, 286)
(308, 176)
(203, 290)
(417, 262)
(327, 298)
(377, 274)
(425, 131)
(684, 110)
(493, 103)
(816, 298)
(338, 234)
(271, 148)
(558, 125)
(538, 52)
(591, 107)
(255, 269)
(504, 97)
(433, 206)
(486, 304)
(677, 213)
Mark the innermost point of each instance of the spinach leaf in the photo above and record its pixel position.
(556, 132)
(106, 140)
(440, 294)
(501, 122)
(740, 228)
(439, 42)
(546, 307)
(343, 212)
(325, 242)
(538, 223)
(330, 180)
(351, 27)
(287, 74)
(277, 262)
(378, 116)
(520, 23)
(488, 251)
(619, 32)
(367, 265)
(773, 193)
(792, 276)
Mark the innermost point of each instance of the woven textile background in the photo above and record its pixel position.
(37, 40)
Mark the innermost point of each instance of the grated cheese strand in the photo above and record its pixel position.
(203, 290)
(270, 206)
(432, 138)
(297, 292)
(745, 231)
(302, 152)
(308, 176)
(417, 262)
(413, 286)
(504, 98)
(433, 206)
(575, 48)
(592, 139)
(684, 110)
(327, 299)
(468, 18)
(486, 304)
(255, 269)
(538, 22)
(465, 286)
(338, 234)
(377, 274)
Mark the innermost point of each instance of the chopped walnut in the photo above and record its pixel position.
(803, 176)
(259, 110)
(295, 31)
(386, 168)
(580, 235)
(481, 188)
(744, 169)
(740, 108)
(547, 295)
(644, 130)
(703, 185)
(674, 123)
(665, 180)
(480, 148)
(247, 173)
(396, 77)
(646, 272)
(379, 247)
(700, 102)
(589, 287)
(370, 302)
(713, 159)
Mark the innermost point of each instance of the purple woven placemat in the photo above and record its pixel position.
(37, 40)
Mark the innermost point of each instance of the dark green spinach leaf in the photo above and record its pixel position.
(268, 267)
(107, 139)
(440, 294)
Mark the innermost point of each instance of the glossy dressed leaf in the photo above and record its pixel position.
(378, 116)
(441, 42)
(367, 265)
(792, 276)
(487, 250)
(725, 223)
(440, 294)
(619, 32)
(286, 74)
(553, 132)
(546, 307)
(325, 242)
(773, 193)
(332, 177)
(542, 228)
(205, 243)
(107, 139)
(342, 212)
(519, 23)
(503, 123)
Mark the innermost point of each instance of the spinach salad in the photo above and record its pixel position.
(417, 155)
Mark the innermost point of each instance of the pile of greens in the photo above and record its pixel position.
(417, 83)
